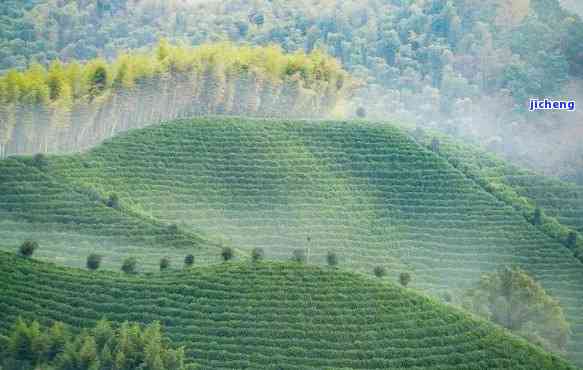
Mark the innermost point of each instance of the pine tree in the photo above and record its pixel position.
(88, 354)
(59, 336)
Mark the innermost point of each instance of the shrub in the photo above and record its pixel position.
(537, 218)
(572, 240)
(227, 254)
(113, 201)
(189, 260)
(404, 278)
(27, 248)
(435, 144)
(380, 271)
(173, 229)
(94, 261)
(361, 112)
(164, 263)
(40, 161)
(129, 265)
(299, 256)
(332, 259)
(257, 254)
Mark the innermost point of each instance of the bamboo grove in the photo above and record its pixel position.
(68, 107)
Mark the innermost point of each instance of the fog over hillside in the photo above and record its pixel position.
(573, 5)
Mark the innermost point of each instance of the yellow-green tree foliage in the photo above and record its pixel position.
(72, 106)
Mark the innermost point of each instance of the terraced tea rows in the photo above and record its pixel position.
(561, 200)
(369, 192)
(258, 188)
(270, 316)
(70, 224)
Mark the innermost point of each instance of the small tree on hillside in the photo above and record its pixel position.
(227, 254)
(513, 299)
(380, 271)
(572, 240)
(189, 260)
(299, 256)
(27, 248)
(257, 254)
(94, 261)
(173, 229)
(113, 201)
(404, 278)
(129, 265)
(40, 161)
(164, 263)
(537, 218)
(435, 145)
(332, 259)
(98, 80)
(361, 112)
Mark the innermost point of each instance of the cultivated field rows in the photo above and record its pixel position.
(371, 194)
(243, 315)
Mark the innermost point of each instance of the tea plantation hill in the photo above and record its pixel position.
(70, 223)
(369, 192)
(561, 201)
(270, 316)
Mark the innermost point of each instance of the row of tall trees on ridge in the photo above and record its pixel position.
(72, 106)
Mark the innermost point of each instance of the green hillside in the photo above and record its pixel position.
(71, 224)
(271, 315)
(562, 202)
(369, 192)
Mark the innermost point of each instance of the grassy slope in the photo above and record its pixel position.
(370, 193)
(70, 225)
(271, 316)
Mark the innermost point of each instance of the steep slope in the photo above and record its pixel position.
(272, 315)
(525, 190)
(368, 192)
(70, 224)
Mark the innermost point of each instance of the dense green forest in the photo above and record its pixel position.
(465, 66)
(30, 346)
